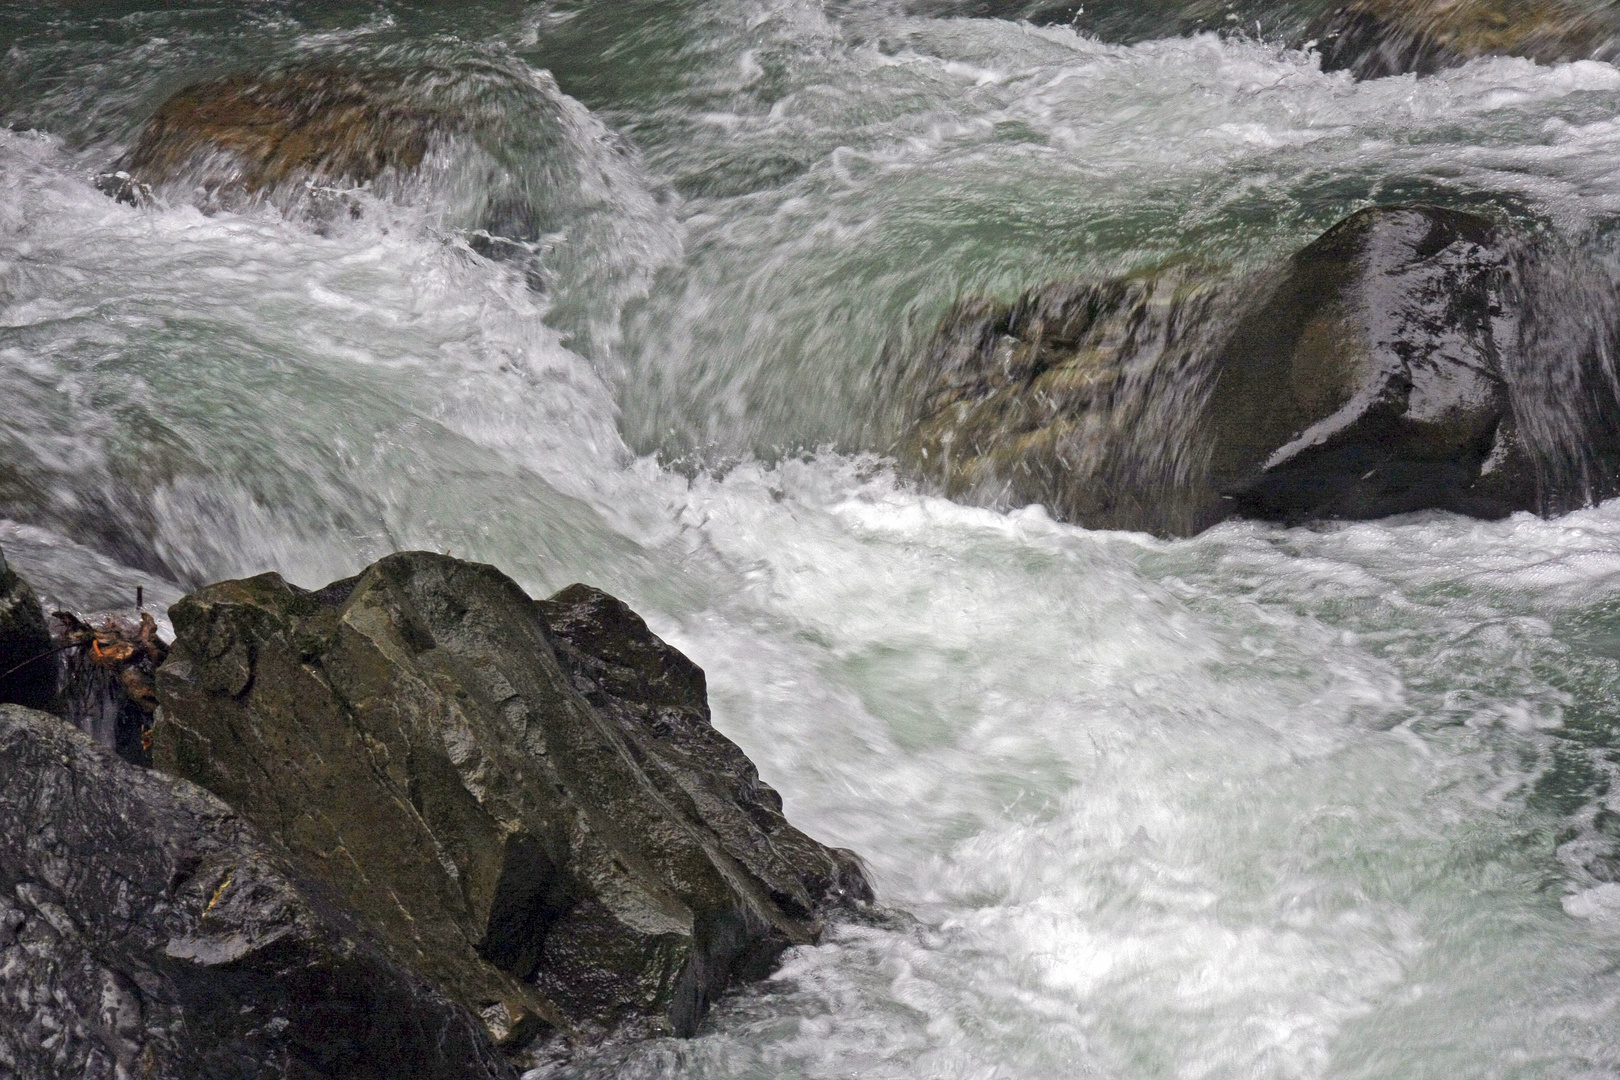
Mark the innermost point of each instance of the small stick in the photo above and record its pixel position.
(138, 598)
(4, 675)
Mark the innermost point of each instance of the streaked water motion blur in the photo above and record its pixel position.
(1312, 802)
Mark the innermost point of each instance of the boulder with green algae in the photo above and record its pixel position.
(1380, 370)
(27, 674)
(414, 739)
(1375, 38)
(147, 930)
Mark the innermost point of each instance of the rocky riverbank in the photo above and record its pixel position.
(409, 824)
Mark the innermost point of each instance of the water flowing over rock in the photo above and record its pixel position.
(554, 860)
(27, 673)
(1399, 362)
(147, 930)
(1374, 38)
(241, 135)
(486, 148)
(1040, 400)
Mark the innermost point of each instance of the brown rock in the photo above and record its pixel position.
(1374, 38)
(247, 134)
(1041, 400)
(105, 687)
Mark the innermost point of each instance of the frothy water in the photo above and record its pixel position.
(1294, 803)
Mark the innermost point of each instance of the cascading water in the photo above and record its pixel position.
(1312, 802)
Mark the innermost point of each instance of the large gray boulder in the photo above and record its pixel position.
(1410, 358)
(555, 863)
(147, 930)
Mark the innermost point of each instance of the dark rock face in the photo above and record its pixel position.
(1369, 382)
(411, 736)
(1374, 38)
(244, 134)
(147, 930)
(27, 675)
(659, 699)
(1390, 366)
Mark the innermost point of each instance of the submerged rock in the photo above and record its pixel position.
(147, 930)
(1399, 362)
(1374, 38)
(243, 134)
(27, 670)
(480, 142)
(1040, 400)
(413, 738)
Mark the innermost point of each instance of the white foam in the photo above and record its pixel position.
(1599, 902)
(1267, 803)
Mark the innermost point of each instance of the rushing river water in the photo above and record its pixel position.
(1311, 802)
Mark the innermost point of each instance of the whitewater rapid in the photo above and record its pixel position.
(1267, 803)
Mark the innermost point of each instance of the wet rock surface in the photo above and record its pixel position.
(659, 700)
(1392, 365)
(1040, 400)
(243, 134)
(27, 671)
(413, 738)
(1375, 38)
(97, 677)
(147, 930)
(1370, 380)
